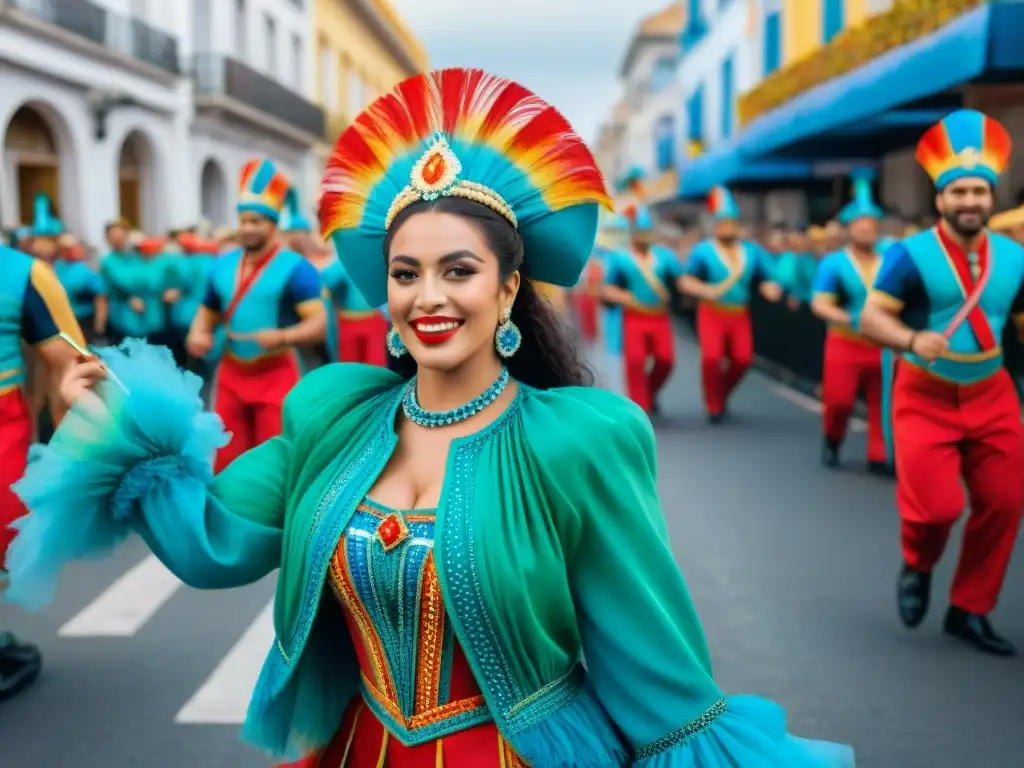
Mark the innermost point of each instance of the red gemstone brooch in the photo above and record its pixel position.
(392, 531)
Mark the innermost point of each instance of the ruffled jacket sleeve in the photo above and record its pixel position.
(645, 650)
(144, 464)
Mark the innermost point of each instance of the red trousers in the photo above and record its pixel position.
(852, 366)
(649, 353)
(726, 351)
(944, 432)
(248, 397)
(15, 438)
(586, 314)
(363, 339)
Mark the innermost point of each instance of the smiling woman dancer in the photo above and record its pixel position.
(453, 540)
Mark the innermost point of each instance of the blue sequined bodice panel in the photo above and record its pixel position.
(415, 678)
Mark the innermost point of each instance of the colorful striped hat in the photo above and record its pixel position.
(721, 204)
(44, 222)
(294, 220)
(262, 189)
(964, 144)
(863, 203)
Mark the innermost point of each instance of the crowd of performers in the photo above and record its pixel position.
(914, 327)
(914, 324)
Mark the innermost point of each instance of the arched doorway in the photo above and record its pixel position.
(33, 151)
(134, 170)
(213, 194)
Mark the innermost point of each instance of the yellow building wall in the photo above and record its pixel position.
(803, 25)
(856, 12)
(358, 53)
(801, 29)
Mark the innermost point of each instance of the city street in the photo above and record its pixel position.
(792, 568)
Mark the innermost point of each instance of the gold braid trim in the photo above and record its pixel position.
(470, 190)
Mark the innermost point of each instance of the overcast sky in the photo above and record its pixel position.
(567, 51)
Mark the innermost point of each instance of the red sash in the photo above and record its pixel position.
(970, 311)
(246, 282)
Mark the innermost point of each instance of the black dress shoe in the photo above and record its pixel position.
(881, 469)
(913, 592)
(830, 453)
(20, 665)
(976, 630)
(716, 418)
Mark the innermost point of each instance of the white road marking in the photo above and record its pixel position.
(224, 698)
(127, 604)
(814, 405)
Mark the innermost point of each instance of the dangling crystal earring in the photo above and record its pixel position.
(507, 338)
(396, 347)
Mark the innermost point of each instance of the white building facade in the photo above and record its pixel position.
(720, 61)
(147, 109)
(645, 125)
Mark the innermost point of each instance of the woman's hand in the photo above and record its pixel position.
(79, 381)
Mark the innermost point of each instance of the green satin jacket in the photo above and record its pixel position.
(551, 549)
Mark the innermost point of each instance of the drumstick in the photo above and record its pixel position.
(86, 353)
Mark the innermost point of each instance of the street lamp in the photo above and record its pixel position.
(101, 104)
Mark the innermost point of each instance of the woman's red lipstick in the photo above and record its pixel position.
(435, 329)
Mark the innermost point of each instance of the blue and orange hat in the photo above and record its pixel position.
(863, 204)
(722, 205)
(962, 145)
(294, 220)
(637, 213)
(262, 189)
(462, 133)
(44, 222)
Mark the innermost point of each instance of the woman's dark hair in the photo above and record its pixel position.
(548, 356)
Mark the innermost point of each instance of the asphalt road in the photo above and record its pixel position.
(792, 567)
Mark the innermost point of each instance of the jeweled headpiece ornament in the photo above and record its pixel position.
(963, 144)
(462, 133)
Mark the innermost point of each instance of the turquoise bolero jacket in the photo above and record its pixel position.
(552, 554)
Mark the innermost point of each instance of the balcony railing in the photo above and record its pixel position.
(852, 48)
(125, 35)
(217, 75)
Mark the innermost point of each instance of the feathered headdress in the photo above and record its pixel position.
(44, 222)
(862, 205)
(721, 204)
(462, 133)
(294, 220)
(965, 143)
(262, 189)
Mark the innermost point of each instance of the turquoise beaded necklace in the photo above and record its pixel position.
(417, 415)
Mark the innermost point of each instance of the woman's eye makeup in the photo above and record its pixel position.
(452, 270)
(461, 270)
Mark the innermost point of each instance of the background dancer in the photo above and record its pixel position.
(721, 273)
(852, 362)
(639, 279)
(269, 300)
